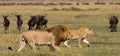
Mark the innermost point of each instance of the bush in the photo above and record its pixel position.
(54, 9)
(73, 9)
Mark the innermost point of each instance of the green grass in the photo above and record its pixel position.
(105, 43)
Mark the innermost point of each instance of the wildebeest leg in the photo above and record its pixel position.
(85, 41)
(32, 27)
(37, 26)
(29, 28)
(65, 43)
(19, 28)
(6, 29)
(112, 28)
(79, 43)
(115, 27)
(45, 27)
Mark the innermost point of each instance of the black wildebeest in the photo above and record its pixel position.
(113, 23)
(38, 21)
(42, 23)
(19, 22)
(32, 22)
(6, 23)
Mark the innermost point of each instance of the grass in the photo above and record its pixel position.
(105, 43)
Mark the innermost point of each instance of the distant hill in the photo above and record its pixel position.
(58, 2)
(62, 0)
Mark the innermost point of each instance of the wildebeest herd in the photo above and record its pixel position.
(39, 21)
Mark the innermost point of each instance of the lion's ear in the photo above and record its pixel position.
(63, 29)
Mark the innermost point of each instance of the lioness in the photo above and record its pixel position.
(80, 35)
(33, 38)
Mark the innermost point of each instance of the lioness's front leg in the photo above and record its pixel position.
(85, 41)
(79, 43)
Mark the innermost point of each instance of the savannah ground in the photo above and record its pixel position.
(106, 43)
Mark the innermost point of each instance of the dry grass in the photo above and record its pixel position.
(105, 44)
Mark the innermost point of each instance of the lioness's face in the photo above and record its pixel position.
(91, 31)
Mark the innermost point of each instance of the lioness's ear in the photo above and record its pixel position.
(90, 29)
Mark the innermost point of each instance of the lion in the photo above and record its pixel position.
(34, 38)
(61, 33)
(80, 35)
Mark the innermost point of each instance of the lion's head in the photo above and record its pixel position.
(61, 33)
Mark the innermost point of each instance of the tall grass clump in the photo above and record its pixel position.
(73, 9)
(92, 9)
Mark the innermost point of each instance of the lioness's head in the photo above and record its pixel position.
(90, 31)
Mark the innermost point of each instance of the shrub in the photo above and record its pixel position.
(54, 9)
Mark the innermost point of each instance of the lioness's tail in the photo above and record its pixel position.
(22, 43)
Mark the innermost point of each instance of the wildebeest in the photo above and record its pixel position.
(32, 22)
(38, 21)
(19, 22)
(42, 23)
(6, 23)
(113, 21)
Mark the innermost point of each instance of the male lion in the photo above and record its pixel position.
(33, 38)
(80, 35)
(61, 33)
